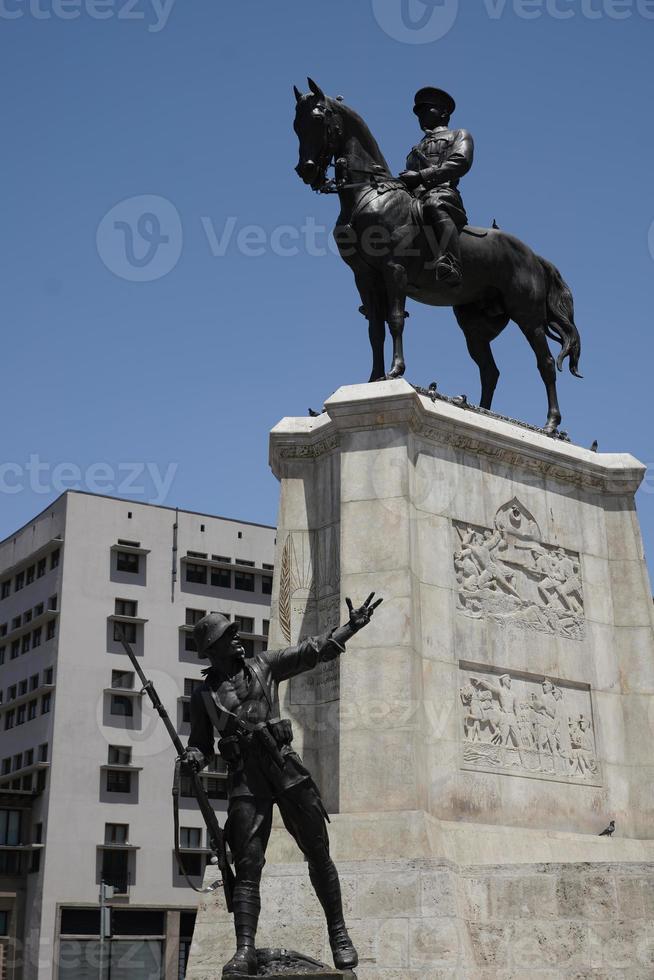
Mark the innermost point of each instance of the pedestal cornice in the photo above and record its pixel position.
(389, 404)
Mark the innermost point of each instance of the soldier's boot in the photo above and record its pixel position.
(449, 267)
(247, 906)
(324, 879)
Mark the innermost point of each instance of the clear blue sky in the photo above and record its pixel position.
(192, 103)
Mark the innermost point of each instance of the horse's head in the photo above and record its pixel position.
(319, 129)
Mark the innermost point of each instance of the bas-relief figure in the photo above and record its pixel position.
(511, 575)
(527, 727)
(408, 236)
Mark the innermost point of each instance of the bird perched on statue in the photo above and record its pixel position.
(610, 830)
(495, 225)
(312, 414)
(594, 447)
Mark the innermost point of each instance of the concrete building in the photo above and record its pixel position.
(85, 762)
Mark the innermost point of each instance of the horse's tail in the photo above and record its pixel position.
(561, 318)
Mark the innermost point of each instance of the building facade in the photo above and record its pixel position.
(85, 762)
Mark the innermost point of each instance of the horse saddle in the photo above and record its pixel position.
(416, 206)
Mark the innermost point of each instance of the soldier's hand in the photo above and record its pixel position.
(361, 617)
(194, 759)
(411, 179)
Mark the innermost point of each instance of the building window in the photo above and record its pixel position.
(266, 584)
(186, 713)
(15, 623)
(4, 923)
(38, 609)
(121, 706)
(245, 624)
(244, 581)
(15, 649)
(2, 655)
(22, 688)
(54, 558)
(51, 629)
(46, 702)
(26, 783)
(119, 755)
(126, 607)
(29, 757)
(265, 627)
(48, 675)
(19, 582)
(9, 828)
(116, 833)
(189, 644)
(52, 603)
(27, 617)
(122, 678)
(11, 692)
(5, 589)
(190, 837)
(115, 870)
(29, 575)
(25, 645)
(21, 714)
(196, 574)
(6, 766)
(268, 567)
(40, 568)
(43, 752)
(224, 558)
(10, 718)
(17, 763)
(221, 578)
(119, 781)
(127, 561)
(31, 710)
(216, 789)
(3, 629)
(36, 637)
(128, 630)
(194, 616)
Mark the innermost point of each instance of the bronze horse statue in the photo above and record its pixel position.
(380, 235)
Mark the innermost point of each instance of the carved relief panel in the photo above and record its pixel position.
(508, 573)
(309, 603)
(523, 725)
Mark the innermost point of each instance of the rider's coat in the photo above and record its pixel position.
(442, 157)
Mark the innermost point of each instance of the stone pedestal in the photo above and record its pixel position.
(496, 714)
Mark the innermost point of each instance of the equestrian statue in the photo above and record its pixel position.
(408, 236)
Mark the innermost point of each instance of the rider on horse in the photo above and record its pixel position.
(434, 168)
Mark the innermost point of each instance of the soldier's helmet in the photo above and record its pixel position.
(434, 97)
(210, 629)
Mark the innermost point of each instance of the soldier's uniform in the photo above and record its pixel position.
(441, 158)
(234, 707)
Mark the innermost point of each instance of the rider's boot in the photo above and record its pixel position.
(328, 889)
(449, 268)
(247, 906)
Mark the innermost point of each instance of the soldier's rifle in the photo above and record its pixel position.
(216, 837)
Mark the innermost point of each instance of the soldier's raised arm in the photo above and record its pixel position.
(318, 649)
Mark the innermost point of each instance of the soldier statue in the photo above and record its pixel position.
(434, 168)
(239, 702)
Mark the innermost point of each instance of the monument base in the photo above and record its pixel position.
(433, 899)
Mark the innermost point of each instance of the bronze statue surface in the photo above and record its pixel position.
(407, 236)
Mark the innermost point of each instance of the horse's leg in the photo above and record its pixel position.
(396, 285)
(479, 331)
(534, 331)
(374, 309)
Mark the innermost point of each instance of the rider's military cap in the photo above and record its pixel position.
(210, 629)
(435, 97)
